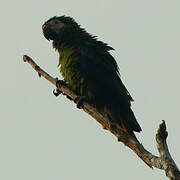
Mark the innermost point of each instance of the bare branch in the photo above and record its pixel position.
(167, 162)
(164, 161)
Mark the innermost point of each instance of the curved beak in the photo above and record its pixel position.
(46, 31)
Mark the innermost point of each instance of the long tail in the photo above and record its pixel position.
(126, 120)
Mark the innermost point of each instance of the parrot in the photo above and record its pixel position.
(91, 71)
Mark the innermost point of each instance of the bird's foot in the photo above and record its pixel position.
(79, 100)
(57, 92)
(59, 83)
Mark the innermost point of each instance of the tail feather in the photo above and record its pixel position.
(129, 119)
(126, 120)
(127, 129)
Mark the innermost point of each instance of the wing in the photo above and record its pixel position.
(101, 70)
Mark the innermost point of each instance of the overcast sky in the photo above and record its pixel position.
(46, 138)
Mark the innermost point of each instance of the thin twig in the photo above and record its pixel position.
(164, 162)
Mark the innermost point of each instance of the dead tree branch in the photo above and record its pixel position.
(164, 161)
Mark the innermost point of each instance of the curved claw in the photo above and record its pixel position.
(57, 92)
(60, 83)
(80, 101)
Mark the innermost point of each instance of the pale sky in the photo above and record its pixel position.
(46, 138)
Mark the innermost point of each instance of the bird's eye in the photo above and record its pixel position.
(55, 22)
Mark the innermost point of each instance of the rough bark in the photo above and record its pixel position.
(164, 161)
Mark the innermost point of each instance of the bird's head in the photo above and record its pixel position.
(54, 28)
